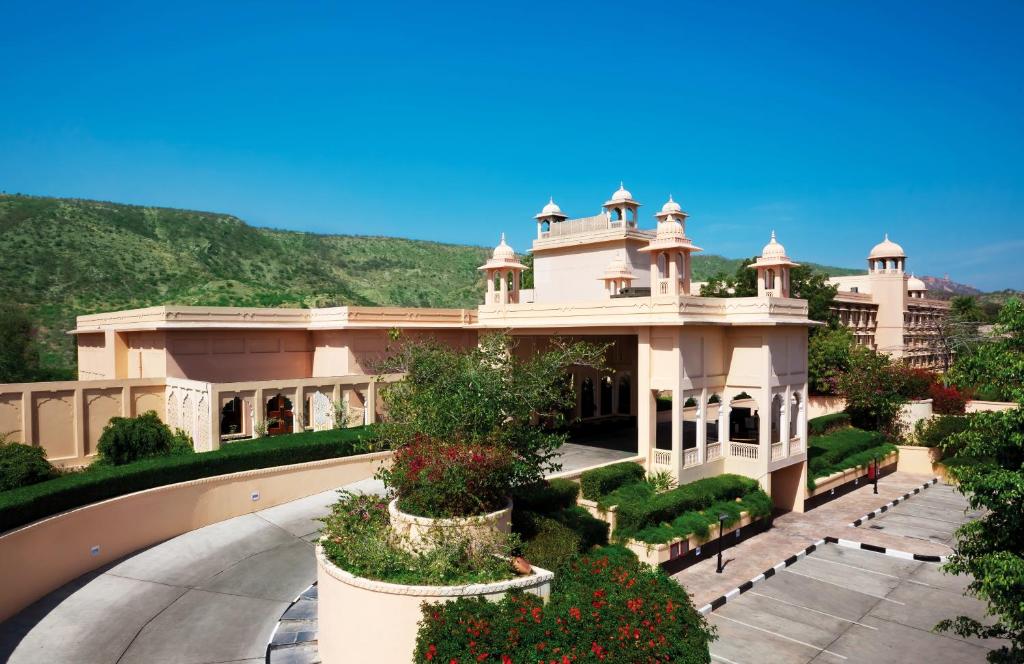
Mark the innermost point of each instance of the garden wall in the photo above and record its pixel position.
(43, 556)
(989, 406)
(818, 405)
(844, 481)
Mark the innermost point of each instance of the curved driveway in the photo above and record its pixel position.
(209, 596)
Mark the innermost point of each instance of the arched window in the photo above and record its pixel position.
(231, 417)
(587, 398)
(606, 395)
(769, 279)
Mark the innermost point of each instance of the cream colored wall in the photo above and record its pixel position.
(974, 406)
(94, 363)
(824, 405)
(889, 291)
(573, 274)
(44, 555)
(223, 356)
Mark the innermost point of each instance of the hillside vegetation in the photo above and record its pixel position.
(67, 257)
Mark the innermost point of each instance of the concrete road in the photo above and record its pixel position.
(211, 595)
(841, 604)
(931, 516)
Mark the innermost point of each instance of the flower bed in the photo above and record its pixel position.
(29, 503)
(843, 450)
(853, 474)
(601, 609)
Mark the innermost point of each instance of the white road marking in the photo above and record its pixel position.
(781, 636)
(814, 578)
(722, 659)
(863, 569)
(807, 608)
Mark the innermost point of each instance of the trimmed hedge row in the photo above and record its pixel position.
(550, 540)
(819, 426)
(843, 449)
(602, 481)
(547, 496)
(757, 503)
(27, 504)
(640, 508)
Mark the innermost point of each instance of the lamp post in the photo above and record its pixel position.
(722, 516)
(876, 474)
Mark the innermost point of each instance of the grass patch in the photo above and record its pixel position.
(27, 504)
(843, 449)
(601, 481)
(819, 426)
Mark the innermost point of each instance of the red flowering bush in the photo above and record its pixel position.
(917, 383)
(450, 479)
(599, 610)
(947, 400)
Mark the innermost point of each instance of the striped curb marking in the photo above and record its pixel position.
(885, 508)
(719, 602)
(850, 544)
(271, 646)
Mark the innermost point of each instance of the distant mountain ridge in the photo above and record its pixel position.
(67, 257)
(946, 288)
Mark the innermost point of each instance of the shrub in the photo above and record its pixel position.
(127, 439)
(24, 505)
(872, 388)
(22, 465)
(552, 539)
(601, 608)
(662, 480)
(546, 496)
(636, 512)
(937, 431)
(917, 383)
(818, 426)
(181, 443)
(602, 481)
(357, 537)
(757, 503)
(947, 400)
(450, 479)
(843, 449)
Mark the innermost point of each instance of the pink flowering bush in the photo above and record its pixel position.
(601, 609)
(441, 479)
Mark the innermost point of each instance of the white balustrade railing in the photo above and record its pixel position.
(690, 457)
(795, 445)
(663, 457)
(743, 450)
(714, 451)
(777, 451)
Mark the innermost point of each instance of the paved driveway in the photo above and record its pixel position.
(930, 516)
(841, 604)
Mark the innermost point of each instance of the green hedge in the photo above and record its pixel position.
(843, 449)
(547, 496)
(640, 508)
(550, 540)
(602, 481)
(819, 426)
(757, 503)
(27, 504)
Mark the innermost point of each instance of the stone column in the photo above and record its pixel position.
(298, 410)
(673, 277)
(723, 424)
(371, 402)
(677, 429)
(801, 422)
(784, 436)
(645, 411)
(702, 426)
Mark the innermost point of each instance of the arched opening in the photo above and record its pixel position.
(587, 407)
(607, 389)
(279, 415)
(776, 419)
(713, 408)
(691, 413)
(625, 396)
(631, 215)
(545, 227)
(616, 214)
(231, 418)
(794, 416)
(744, 420)
(662, 265)
(769, 279)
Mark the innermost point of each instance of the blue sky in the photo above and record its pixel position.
(829, 122)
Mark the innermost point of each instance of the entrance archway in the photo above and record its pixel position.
(587, 398)
(279, 415)
(231, 418)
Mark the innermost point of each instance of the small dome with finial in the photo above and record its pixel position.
(887, 249)
(671, 206)
(622, 194)
(551, 210)
(914, 284)
(773, 249)
(503, 252)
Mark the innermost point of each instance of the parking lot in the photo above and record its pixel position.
(840, 604)
(931, 515)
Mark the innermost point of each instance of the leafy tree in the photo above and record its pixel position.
(742, 283)
(828, 357)
(486, 394)
(965, 308)
(996, 366)
(873, 387)
(991, 549)
(19, 355)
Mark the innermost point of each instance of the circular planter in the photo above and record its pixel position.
(363, 620)
(415, 532)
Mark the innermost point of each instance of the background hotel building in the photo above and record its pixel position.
(889, 311)
(735, 369)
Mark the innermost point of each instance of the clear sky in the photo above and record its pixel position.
(831, 122)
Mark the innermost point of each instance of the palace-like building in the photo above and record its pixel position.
(698, 386)
(889, 311)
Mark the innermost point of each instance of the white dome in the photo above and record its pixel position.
(887, 249)
(622, 194)
(671, 206)
(503, 251)
(551, 208)
(915, 284)
(773, 249)
(670, 229)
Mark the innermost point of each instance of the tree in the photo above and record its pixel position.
(19, 354)
(995, 366)
(486, 395)
(742, 283)
(828, 357)
(991, 549)
(873, 387)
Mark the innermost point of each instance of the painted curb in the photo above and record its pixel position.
(850, 544)
(885, 508)
(720, 601)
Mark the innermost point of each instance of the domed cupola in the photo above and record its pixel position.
(504, 271)
(622, 207)
(617, 275)
(670, 252)
(916, 288)
(549, 214)
(887, 256)
(773, 267)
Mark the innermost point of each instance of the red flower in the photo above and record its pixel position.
(575, 613)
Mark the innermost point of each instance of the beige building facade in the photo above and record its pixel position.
(890, 311)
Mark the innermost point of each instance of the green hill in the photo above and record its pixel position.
(67, 257)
